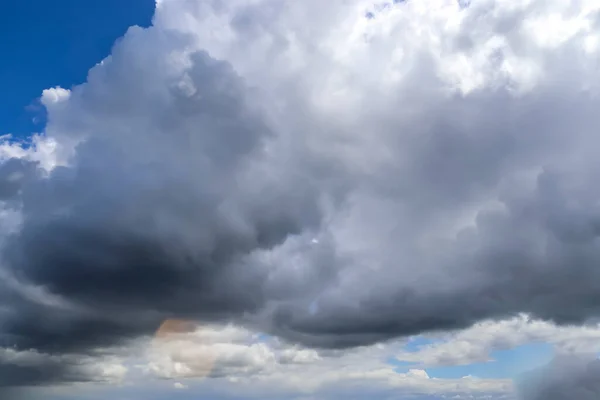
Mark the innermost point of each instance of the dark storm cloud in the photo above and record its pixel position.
(15, 376)
(152, 222)
(21, 371)
(145, 229)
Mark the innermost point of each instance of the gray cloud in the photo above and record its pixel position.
(155, 220)
(21, 371)
(329, 202)
(14, 376)
(14, 174)
(567, 377)
(150, 221)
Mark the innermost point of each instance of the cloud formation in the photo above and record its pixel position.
(381, 171)
(571, 377)
(477, 343)
(240, 363)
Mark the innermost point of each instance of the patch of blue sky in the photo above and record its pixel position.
(55, 43)
(505, 364)
(25, 141)
(415, 343)
(263, 338)
(412, 346)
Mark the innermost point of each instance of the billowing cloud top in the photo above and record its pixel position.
(333, 173)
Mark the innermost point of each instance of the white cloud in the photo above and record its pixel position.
(476, 344)
(53, 96)
(249, 363)
(38, 149)
(180, 386)
(239, 362)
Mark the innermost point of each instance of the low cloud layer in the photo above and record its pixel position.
(382, 171)
(239, 364)
(478, 343)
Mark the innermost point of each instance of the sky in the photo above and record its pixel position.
(55, 44)
(261, 199)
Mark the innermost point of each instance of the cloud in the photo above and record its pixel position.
(477, 343)
(146, 220)
(25, 369)
(336, 183)
(232, 361)
(13, 174)
(40, 150)
(572, 377)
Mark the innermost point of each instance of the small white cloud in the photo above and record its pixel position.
(55, 95)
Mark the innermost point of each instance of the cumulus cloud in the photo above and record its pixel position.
(241, 363)
(176, 201)
(179, 386)
(334, 178)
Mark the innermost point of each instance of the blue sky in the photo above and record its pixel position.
(510, 363)
(54, 43)
(506, 363)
